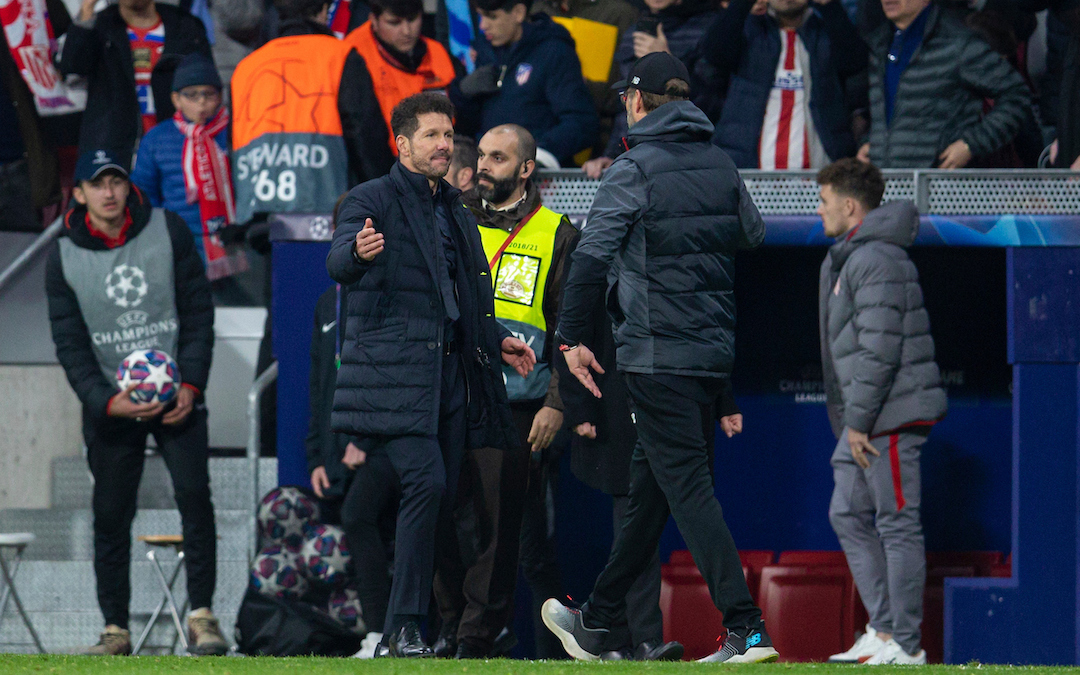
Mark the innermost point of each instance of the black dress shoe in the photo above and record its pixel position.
(505, 642)
(445, 646)
(618, 655)
(469, 651)
(381, 652)
(408, 644)
(665, 651)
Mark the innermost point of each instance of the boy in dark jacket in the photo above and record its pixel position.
(122, 51)
(884, 393)
(127, 277)
(183, 164)
(528, 74)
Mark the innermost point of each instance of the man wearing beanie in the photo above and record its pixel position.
(183, 165)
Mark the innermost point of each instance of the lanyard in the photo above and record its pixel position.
(522, 224)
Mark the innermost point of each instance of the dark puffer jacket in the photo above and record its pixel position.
(877, 353)
(391, 356)
(940, 96)
(667, 220)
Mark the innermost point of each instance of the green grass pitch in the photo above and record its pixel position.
(152, 665)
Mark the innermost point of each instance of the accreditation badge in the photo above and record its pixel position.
(516, 279)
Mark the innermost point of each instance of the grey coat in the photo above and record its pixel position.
(876, 350)
(940, 96)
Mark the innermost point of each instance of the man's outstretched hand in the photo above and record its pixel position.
(580, 359)
(518, 356)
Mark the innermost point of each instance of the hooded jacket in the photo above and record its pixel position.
(541, 89)
(194, 308)
(877, 353)
(663, 229)
(102, 53)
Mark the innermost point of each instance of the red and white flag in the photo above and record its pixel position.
(30, 38)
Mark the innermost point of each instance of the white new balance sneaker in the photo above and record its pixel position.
(865, 647)
(893, 654)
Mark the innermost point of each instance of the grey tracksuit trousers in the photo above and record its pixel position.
(875, 514)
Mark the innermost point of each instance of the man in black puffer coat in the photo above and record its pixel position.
(420, 377)
(662, 234)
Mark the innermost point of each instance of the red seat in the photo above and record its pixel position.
(830, 558)
(753, 562)
(689, 613)
(681, 558)
(808, 610)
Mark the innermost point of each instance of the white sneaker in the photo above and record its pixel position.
(367, 647)
(893, 654)
(865, 647)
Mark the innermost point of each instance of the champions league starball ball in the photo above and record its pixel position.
(325, 555)
(154, 374)
(344, 607)
(284, 515)
(276, 572)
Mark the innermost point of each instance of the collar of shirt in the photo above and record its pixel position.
(112, 242)
(906, 41)
(509, 207)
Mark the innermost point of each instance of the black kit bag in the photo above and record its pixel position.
(267, 626)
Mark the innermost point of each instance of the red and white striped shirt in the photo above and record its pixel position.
(788, 139)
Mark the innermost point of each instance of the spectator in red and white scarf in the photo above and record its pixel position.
(183, 164)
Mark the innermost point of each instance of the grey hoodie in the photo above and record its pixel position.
(877, 354)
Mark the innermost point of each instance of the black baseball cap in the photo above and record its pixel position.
(93, 163)
(651, 72)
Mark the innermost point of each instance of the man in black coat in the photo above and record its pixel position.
(126, 277)
(420, 377)
(664, 227)
(111, 50)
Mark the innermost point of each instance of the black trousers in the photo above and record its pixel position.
(116, 449)
(368, 515)
(669, 474)
(642, 621)
(427, 468)
(539, 559)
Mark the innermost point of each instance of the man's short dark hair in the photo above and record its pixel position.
(526, 144)
(674, 90)
(853, 178)
(405, 9)
(465, 153)
(493, 5)
(405, 119)
(290, 10)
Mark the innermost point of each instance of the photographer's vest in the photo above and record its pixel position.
(520, 262)
(127, 295)
(288, 150)
(392, 83)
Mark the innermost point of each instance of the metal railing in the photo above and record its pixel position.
(254, 415)
(934, 191)
(27, 256)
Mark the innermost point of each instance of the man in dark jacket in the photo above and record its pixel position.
(419, 378)
(884, 393)
(775, 115)
(929, 76)
(127, 277)
(665, 225)
(527, 73)
(129, 52)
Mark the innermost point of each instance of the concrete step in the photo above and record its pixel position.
(67, 534)
(230, 483)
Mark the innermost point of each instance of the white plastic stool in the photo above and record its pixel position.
(19, 542)
(176, 542)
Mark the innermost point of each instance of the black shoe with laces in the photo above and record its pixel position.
(409, 644)
(446, 645)
(580, 642)
(749, 645)
(467, 650)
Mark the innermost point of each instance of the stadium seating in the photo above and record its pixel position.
(808, 609)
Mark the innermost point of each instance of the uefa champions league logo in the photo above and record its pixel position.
(126, 286)
(319, 228)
